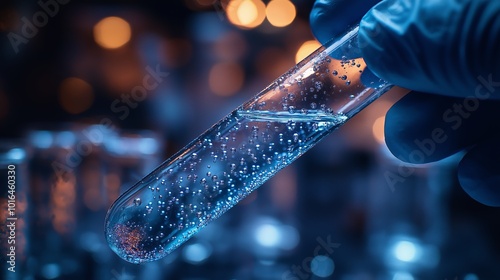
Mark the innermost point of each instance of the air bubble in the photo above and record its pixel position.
(137, 201)
(318, 85)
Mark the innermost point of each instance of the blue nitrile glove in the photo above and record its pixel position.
(448, 52)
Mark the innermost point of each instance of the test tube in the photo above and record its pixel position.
(242, 151)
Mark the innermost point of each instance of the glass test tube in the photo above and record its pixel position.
(242, 151)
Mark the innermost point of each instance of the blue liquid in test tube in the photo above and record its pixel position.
(242, 151)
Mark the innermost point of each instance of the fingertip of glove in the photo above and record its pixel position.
(478, 173)
(395, 134)
(389, 14)
(379, 39)
(331, 18)
(319, 19)
(415, 131)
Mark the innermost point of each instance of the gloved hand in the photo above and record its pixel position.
(448, 52)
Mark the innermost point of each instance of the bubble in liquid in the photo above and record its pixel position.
(348, 82)
(343, 77)
(313, 105)
(137, 201)
(318, 85)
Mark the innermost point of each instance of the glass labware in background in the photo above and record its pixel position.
(76, 174)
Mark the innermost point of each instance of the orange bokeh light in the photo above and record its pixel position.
(75, 95)
(226, 78)
(246, 14)
(280, 13)
(306, 49)
(112, 32)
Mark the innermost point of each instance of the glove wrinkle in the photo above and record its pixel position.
(482, 37)
(433, 46)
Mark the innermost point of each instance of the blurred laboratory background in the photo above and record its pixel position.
(95, 94)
